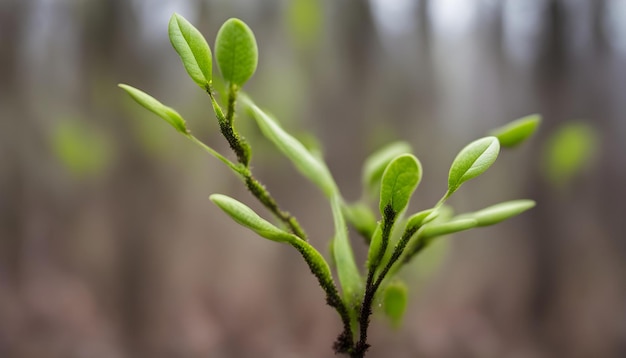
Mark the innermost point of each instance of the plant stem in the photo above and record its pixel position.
(242, 150)
(235, 141)
(260, 192)
(371, 288)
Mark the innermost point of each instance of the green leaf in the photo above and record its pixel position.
(416, 220)
(395, 301)
(361, 217)
(347, 270)
(472, 161)
(236, 51)
(248, 218)
(150, 103)
(500, 212)
(439, 229)
(193, 50)
(319, 267)
(569, 151)
(400, 179)
(83, 150)
(375, 164)
(306, 163)
(376, 243)
(518, 131)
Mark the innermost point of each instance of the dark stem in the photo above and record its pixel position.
(237, 143)
(344, 342)
(260, 192)
(371, 288)
(242, 150)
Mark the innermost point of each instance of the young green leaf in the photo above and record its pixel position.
(361, 217)
(400, 179)
(246, 217)
(500, 212)
(472, 161)
(376, 243)
(193, 50)
(416, 220)
(236, 51)
(150, 103)
(347, 270)
(376, 163)
(319, 267)
(518, 131)
(395, 299)
(306, 163)
(449, 227)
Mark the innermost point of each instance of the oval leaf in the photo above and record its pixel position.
(395, 301)
(439, 229)
(193, 50)
(518, 131)
(400, 179)
(472, 161)
(306, 163)
(246, 217)
(150, 103)
(375, 164)
(236, 51)
(500, 212)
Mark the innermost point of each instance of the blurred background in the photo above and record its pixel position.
(109, 246)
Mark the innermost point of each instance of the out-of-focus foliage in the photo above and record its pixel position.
(81, 149)
(304, 20)
(569, 152)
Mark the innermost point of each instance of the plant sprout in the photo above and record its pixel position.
(391, 174)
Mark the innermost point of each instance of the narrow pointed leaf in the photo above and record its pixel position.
(395, 301)
(246, 217)
(347, 270)
(445, 228)
(500, 212)
(400, 179)
(518, 131)
(375, 164)
(472, 161)
(150, 103)
(193, 50)
(306, 163)
(236, 51)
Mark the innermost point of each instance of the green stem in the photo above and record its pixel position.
(217, 155)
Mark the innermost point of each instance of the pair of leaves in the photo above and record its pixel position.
(236, 51)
